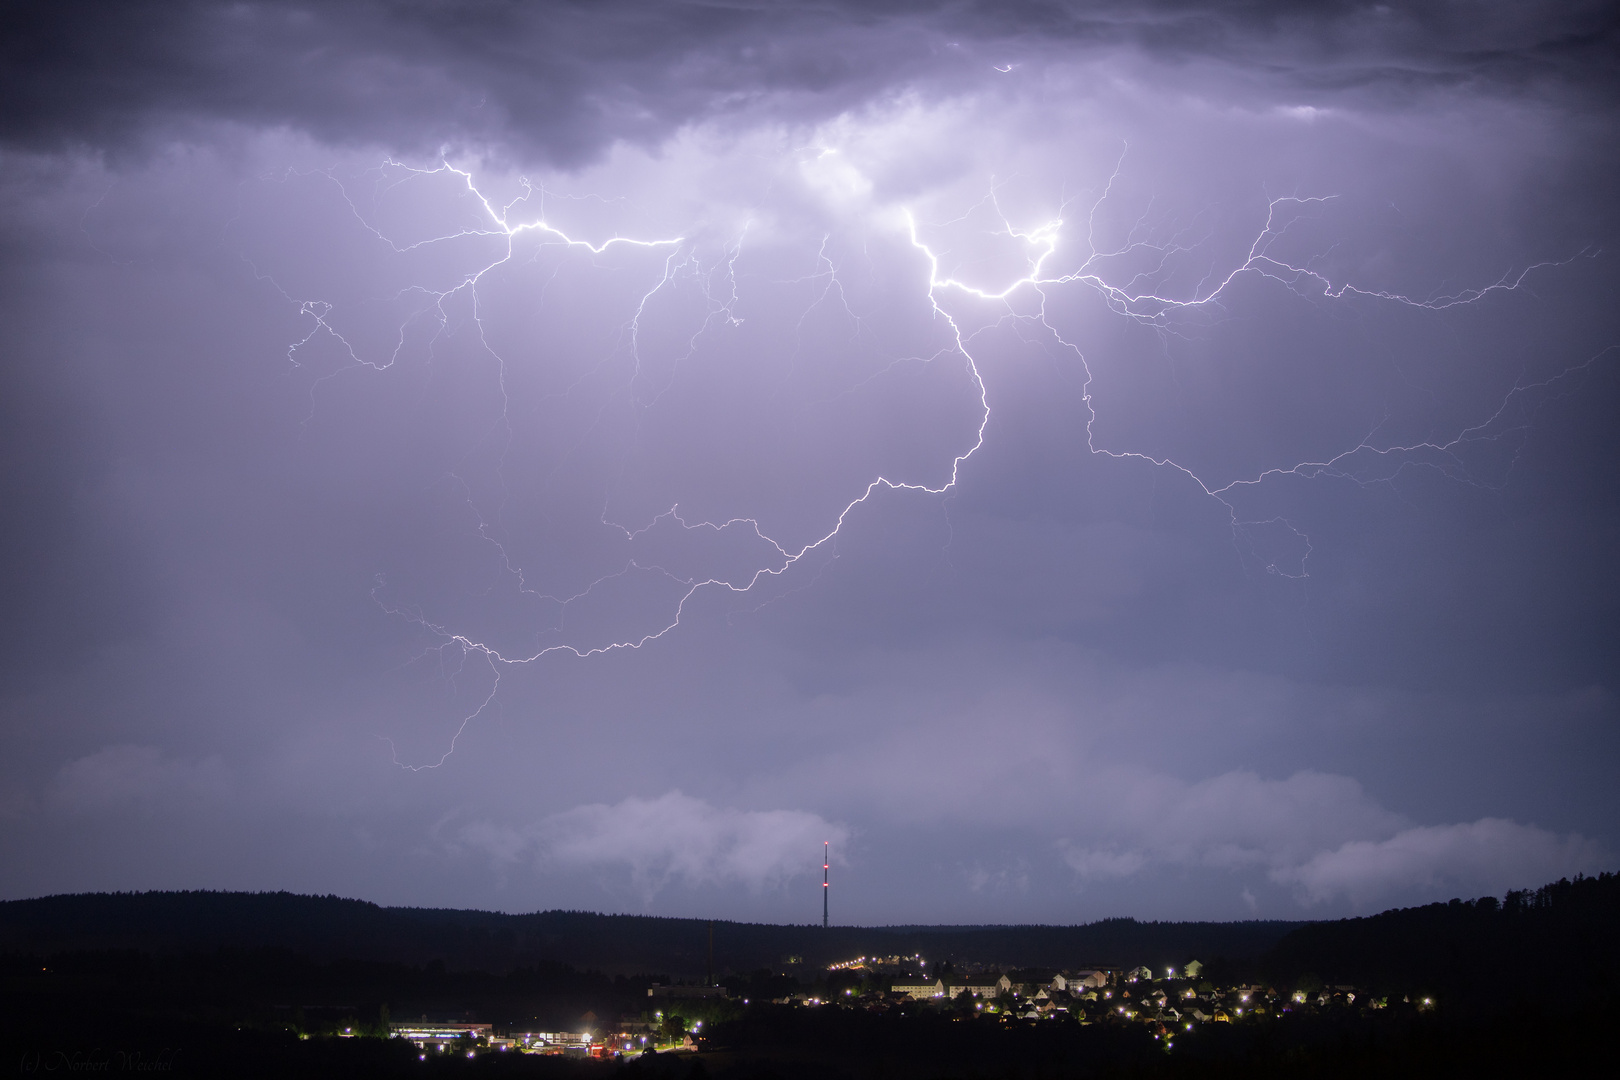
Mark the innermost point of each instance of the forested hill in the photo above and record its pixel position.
(332, 927)
(1563, 938)
(1567, 932)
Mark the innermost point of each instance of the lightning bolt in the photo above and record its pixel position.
(1367, 462)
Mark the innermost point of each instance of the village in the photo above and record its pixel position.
(1169, 1004)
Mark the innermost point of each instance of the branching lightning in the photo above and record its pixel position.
(1367, 462)
(1379, 463)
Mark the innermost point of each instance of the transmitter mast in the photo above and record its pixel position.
(826, 850)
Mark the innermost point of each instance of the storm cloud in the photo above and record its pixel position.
(563, 81)
(1080, 459)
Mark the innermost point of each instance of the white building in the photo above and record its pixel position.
(554, 1042)
(1080, 981)
(979, 985)
(427, 1034)
(918, 989)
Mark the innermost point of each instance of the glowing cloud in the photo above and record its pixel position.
(672, 838)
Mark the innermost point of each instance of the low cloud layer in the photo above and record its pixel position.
(1321, 835)
(673, 838)
(1486, 857)
(1233, 821)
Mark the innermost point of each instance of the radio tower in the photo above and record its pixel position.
(826, 849)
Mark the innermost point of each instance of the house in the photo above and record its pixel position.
(918, 989)
(1193, 969)
(440, 1035)
(1141, 974)
(553, 1042)
(1077, 981)
(979, 985)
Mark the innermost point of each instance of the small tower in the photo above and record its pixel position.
(826, 861)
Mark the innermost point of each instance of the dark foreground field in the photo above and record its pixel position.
(867, 1048)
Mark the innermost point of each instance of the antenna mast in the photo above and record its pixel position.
(826, 850)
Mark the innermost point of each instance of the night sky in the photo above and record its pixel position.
(1080, 459)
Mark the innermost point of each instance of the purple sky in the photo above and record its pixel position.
(1080, 459)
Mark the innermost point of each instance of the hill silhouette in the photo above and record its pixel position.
(1563, 937)
(330, 927)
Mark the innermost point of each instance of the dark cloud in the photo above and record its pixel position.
(557, 82)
